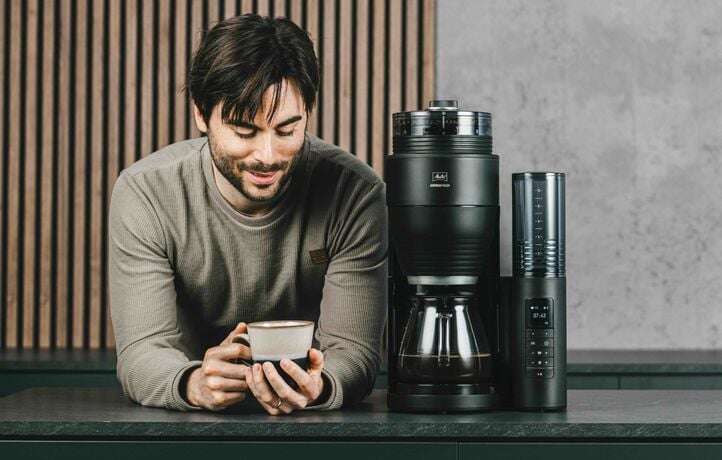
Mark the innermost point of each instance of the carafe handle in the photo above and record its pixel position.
(444, 349)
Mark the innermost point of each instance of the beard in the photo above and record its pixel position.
(232, 170)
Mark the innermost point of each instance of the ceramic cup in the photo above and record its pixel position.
(275, 340)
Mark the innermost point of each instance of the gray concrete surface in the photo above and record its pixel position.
(625, 97)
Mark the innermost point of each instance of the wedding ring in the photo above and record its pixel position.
(278, 403)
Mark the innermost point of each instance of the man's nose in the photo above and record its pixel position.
(264, 149)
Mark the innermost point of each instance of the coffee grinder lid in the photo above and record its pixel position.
(441, 126)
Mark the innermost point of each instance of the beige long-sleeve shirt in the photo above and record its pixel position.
(185, 267)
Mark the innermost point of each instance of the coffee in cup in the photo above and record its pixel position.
(276, 340)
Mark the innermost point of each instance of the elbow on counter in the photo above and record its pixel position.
(147, 382)
(354, 375)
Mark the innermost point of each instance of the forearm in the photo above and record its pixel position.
(351, 376)
(350, 332)
(151, 374)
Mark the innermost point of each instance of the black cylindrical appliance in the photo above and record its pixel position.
(538, 292)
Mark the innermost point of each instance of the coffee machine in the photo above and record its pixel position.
(454, 335)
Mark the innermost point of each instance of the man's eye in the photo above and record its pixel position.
(285, 133)
(246, 135)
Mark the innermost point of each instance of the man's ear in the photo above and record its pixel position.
(200, 122)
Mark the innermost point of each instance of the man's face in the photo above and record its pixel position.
(256, 157)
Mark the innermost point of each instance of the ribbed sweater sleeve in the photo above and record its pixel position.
(151, 346)
(353, 304)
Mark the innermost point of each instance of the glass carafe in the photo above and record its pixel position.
(443, 342)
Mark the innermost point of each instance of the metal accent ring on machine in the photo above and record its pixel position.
(455, 280)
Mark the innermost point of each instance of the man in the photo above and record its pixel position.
(256, 221)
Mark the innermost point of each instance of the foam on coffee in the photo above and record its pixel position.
(280, 323)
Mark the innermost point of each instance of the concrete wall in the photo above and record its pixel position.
(626, 97)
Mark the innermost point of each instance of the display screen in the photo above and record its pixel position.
(539, 313)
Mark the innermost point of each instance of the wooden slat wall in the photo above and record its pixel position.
(87, 87)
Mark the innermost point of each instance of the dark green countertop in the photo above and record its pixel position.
(104, 414)
(644, 361)
(57, 360)
(579, 361)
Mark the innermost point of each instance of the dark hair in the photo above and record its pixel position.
(241, 57)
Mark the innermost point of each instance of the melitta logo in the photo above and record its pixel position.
(440, 179)
(439, 176)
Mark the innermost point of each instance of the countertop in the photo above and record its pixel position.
(644, 361)
(592, 415)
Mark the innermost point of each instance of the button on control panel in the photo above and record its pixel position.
(539, 349)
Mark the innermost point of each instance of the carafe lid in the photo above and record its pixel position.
(431, 302)
(459, 300)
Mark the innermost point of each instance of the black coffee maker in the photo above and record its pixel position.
(455, 338)
(443, 199)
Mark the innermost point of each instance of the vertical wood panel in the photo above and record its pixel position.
(395, 64)
(328, 83)
(48, 165)
(98, 164)
(90, 86)
(130, 91)
(312, 27)
(213, 13)
(78, 183)
(410, 83)
(379, 81)
(296, 13)
(279, 8)
(246, 6)
(29, 173)
(361, 78)
(163, 109)
(115, 119)
(4, 54)
(344, 63)
(196, 35)
(63, 268)
(429, 50)
(180, 105)
(146, 83)
(229, 9)
(16, 71)
(264, 7)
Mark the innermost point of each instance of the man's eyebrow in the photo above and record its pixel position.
(293, 119)
(245, 124)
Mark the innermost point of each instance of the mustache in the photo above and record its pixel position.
(263, 168)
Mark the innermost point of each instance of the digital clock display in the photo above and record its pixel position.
(539, 313)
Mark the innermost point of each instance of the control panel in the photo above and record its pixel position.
(539, 349)
(538, 221)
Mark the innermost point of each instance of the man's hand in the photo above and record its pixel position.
(275, 395)
(219, 382)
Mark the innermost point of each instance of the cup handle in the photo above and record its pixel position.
(243, 339)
